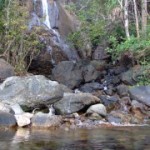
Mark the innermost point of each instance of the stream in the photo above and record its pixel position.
(104, 138)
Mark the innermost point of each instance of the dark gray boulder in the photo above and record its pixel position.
(131, 76)
(68, 74)
(72, 74)
(141, 94)
(7, 119)
(71, 102)
(31, 91)
(91, 87)
(6, 70)
(122, 90)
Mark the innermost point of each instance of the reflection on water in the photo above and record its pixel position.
(116, 138)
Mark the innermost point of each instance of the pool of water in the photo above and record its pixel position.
(114, 138)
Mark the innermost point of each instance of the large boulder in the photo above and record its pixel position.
(31, 91)
(71, 103)
(7, 119)
(68, 74)
(72, 74)
(141, 94)
(6, 70)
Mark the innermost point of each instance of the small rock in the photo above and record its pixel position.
(97, 108)
(109, 101)
(46, 121)
(6, 70)
(122, 90)
(7, 119)
(91, 87)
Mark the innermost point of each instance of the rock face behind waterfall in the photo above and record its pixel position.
(45, 22)
(31, 91)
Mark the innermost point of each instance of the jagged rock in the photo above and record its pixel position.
(7, 119)
(125, 103)
(91, 87)
(141, 94)
(68, 74)
(109, 101)
(72, 74)
(99, 65)
(122, 90)
(130, 77)
(89, 73)
(71, 102)
(6, 70)
(42, 120)
(17, 109)
(31, 91)
(97, 108)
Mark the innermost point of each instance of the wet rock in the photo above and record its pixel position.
(109, 101)
(122, 90)
(31, 91)
(6, 70)
(97, 108)
(41, 120)
(130, 77)
(141, 94)
(91, 87)
(71, 102)
(7, 119)
(72, 74)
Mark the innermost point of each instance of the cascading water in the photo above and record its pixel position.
(46, 13)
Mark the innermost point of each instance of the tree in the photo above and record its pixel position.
(136, 18)
(144, 16)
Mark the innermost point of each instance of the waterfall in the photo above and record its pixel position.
(46, 13)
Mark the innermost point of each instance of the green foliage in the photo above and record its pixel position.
(16, 43)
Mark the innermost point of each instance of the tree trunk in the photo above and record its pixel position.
(136, 18)
(126, 20)
(144, 16)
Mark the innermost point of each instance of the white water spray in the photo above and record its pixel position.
(46, 14)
